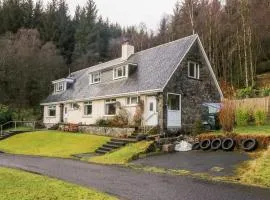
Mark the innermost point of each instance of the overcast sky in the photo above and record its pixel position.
(130, 12)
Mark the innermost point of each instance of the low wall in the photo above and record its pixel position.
(104, 131)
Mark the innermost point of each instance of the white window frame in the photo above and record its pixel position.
(85, 105)
(107, 102)
(196, 70)
(92, 79)
(52, 107)
(58, 87)
(124, 72)
(129, 100)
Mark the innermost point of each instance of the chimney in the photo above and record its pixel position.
(127, 50)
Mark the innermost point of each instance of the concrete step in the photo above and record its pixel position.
(105, 149)
(115, 143)
(124, 140)
(101, 151)
(111, 146)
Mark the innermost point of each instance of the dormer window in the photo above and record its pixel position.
(193, 70)
(58, 87)
(94, 78)
(62, 84)
(120, 72)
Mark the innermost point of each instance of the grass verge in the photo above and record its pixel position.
(52, 143)
(254, 130)
(19, 185)
(123, 155)
(257, 171)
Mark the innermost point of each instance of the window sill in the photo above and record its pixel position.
(87, 116)
(117, 78)
(190, 77)
(131, 105)
(94, 83)
(51, 117)
(109, 115)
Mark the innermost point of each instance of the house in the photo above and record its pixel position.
(172, 80)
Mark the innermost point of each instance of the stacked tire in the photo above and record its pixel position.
(226, 144)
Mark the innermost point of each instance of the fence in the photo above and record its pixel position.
(253, 104)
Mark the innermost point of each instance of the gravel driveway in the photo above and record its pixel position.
(134, 185)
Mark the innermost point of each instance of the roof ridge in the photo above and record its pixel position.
(166, 43)
(96, 65)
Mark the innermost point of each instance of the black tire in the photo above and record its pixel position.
(205, 144)
(228, 144)
(216, 144)
(249, 144)
(196, 146)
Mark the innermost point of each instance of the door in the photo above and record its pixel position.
(174, 110)
(61, 113)
(151, 115)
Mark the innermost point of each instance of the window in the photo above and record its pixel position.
(52, 111)
(133, 100)
(151, 106)
(173, 102)
(88, 108)
(95, 77)
(120, 72)
(110, 107)
(58, 87)
(193, 70)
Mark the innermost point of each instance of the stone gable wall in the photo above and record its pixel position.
(193, 92)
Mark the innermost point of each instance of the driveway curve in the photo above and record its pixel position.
(131, 184)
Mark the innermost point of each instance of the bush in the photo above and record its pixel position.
(121, 119)
(197, 127)
(265, 92)
(248, 92)
(260, 117)
(242, 117)
(5, 114)
(103, 122)
(227, 116)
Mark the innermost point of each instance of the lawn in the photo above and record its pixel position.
(52, 143)
(19, 185)
(257, 130)
(257, 171)
(263, 130)
(123, 155)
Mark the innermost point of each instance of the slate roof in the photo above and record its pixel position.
(155, 66)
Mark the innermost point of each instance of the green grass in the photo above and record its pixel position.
(52, 143)
(257, 171)
(19, 185)
(124, 155)
(257, 130)
(262, 130)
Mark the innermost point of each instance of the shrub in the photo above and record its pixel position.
(5, 114)
(138, 116)
(265, 92)
(248, 92)
(121, 119)
(197, 127)
(103, 122)
(260, 117)
(242, 117)
(227, 116)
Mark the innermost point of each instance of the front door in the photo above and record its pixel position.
(61, 113)
(151, 115)
(174, 110)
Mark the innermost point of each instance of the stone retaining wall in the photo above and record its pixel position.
(105, 131)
